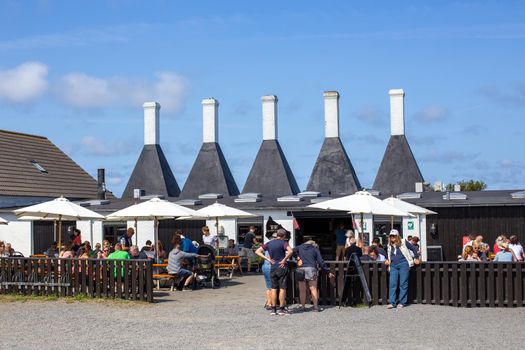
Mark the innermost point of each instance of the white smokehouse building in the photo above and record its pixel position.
(33, 170)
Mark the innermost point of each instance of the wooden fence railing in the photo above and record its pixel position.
(466, 284)
(126, 279)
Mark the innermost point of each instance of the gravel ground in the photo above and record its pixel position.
(232, 317)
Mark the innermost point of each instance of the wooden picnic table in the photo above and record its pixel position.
(228, 262)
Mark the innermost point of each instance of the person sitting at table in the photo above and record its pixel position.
(135, 254)
(160, 253)
(147, 247)
(231, 249)
(67, 252)
(97, 249)
(52, 252)
(175, 258)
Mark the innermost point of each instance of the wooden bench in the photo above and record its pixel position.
(230, 263)
(174, 279)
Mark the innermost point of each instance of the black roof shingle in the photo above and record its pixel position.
(210, 174)
(270, 173)
(398, 172)
(152, 174)
(333, 172)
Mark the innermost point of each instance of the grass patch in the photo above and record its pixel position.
(79, 298)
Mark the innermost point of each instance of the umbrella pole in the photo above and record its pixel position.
(157, 238)
(136, 234)
(54, 230)
(217, 225)
(59, 231)
(391, 222)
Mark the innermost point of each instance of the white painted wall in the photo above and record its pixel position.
(18, 233)
(91, 230)
(416, 226)
(145, 230)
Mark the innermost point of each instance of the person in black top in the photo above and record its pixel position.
(353, 248)
(278, 254)
(247, 249)
(125, 240)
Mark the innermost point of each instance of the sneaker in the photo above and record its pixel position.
(317, 309)
(390, 306)
(273, 312)
(400, 306)
(283, 312)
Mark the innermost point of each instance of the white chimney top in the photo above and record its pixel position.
(269, 112)
(151, 123)
(210, 116)
(397, 112)
(331, 113)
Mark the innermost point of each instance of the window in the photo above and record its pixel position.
(38, 166)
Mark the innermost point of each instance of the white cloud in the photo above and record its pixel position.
(84, 91)
(432, 114)
(23, 83)
(81, 90)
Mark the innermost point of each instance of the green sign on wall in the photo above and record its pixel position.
(411, 225)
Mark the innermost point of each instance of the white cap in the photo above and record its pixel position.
(394, 232)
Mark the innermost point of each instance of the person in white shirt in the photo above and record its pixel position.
(516, 247)
(208, 238)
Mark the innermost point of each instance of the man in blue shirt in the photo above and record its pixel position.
(278, 254)
(340, 237)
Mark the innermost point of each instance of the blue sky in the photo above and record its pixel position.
(78, 72)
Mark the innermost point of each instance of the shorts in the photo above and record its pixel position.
(339, 251)
(183, 273)
(248, 252)
(278, 277)
(266, 273)
(310, 273)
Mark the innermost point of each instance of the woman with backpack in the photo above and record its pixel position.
(309, 261)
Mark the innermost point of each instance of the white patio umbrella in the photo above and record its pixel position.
(57, 209)
(154, 209)
(361, 202)
(408, 207)
(218, 210)
(3, 221)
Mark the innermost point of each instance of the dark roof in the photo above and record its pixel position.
(152, 174)
(20, 157)
(428, 199)
(333, 172)
(399, 171)
(485, 198)
(270, 173)
(210, 174)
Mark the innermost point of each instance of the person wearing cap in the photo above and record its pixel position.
(399, 261)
